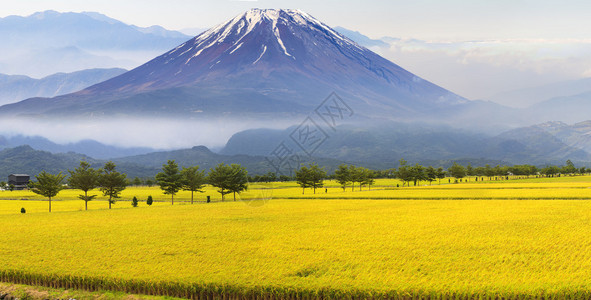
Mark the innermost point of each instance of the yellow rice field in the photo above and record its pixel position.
(435, 243)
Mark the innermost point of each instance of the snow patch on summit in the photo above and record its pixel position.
(278, 36)
(272, 23)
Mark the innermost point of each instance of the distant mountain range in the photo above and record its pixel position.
(88, 148)
(49, 42)
(548, 143)
(14, 88)
(536, 95)
(269, 66)
(26, 160)
(361, 39)
(271, 63)
(383, 145)
(577, 135)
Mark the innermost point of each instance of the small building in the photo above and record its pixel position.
(20, 181)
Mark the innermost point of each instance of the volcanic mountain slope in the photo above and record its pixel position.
(265, 61)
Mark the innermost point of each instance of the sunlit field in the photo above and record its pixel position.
(573, 187)
(430, 241)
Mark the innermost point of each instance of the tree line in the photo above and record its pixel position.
(417, 173)
(227, 178)
(312, 176)
(233, 178)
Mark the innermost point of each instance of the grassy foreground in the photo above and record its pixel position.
(42, 293)
(317, 247)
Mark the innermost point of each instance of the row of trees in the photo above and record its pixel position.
(416, 173)
(227, 178)
(459, 171)
(110, 182)
(312, 176)
(269, 177)
(350, 174)
(419, 173)
(234, 178)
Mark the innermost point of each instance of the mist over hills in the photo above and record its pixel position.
(49, 42)
(25, 159)
(383, 145)
(88, 148)
(531, 96)
(14, 88)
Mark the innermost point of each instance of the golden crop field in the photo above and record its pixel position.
(352, 246)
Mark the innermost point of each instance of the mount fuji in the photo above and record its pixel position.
(265, 62)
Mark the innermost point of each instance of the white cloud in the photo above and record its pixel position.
(480, 69)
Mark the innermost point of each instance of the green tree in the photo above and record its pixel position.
(48, 185)
(134, 201)
(470, 170)
(343, 175)
(149, 201)
(569, 168)
(137, 182)
(238, 179)
(311, 176)
(193, 180)
(84, 178)
(269, 177)
(111, 182)
(317, 176)
(440, 174)
(170, 179)
(358, 174)
(488, 171)
(457, 171)
(220, 177)
(404, 173)
(500, 171)
(149, 182)
(367, 178)
(430, 174)
(417, 174)
(550, 171)
(303, 178)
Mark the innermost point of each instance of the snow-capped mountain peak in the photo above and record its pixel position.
(266, 61)
(278, 22)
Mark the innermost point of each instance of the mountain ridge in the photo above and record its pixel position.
(19, 87)
(36, 45)
(275, 55)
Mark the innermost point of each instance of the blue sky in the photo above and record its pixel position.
(423, 19)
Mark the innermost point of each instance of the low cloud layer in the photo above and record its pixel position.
(152, 133)
(482, 69)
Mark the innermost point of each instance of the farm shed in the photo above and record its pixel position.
(20, 181)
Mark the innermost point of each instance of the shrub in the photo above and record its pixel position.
(23, 210)
(134, 202)
(149, 201)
